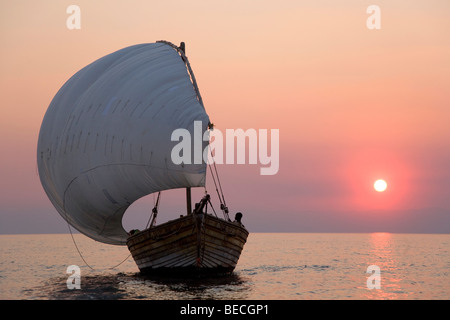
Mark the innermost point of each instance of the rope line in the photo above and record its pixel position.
(76, 246)
(181, 51)
(221, 196)
(84, 260)
(220, 185)
(186, 62)
(215, 184)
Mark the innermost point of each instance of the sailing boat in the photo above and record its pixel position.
(105, 141)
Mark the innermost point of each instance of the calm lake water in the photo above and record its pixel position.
(273, 266)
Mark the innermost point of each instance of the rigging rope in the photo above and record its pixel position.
(221, 196)
(215, 184)
(79, 252)
(224, 205)
(182, 52)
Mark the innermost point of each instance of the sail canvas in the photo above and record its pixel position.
(105, 140)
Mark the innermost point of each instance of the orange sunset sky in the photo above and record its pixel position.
(352, 104)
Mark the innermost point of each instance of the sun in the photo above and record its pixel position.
(380, 185)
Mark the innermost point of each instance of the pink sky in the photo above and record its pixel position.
(352, 104)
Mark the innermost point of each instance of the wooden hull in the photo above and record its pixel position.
(193, 244)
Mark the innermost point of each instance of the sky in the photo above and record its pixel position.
(352, 104)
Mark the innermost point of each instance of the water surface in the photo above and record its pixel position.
(275, 266)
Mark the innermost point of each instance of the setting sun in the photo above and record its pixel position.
(380, 185)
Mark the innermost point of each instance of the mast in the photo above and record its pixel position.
(188, 190)
(188, 201)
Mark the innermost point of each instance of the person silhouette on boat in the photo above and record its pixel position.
(237, 218)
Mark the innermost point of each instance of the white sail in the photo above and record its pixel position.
(105, 140)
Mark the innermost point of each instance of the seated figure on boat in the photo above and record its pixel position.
(237, 218)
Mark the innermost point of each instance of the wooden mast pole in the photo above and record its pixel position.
(188, 201)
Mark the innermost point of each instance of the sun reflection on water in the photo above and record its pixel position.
(382, 254)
